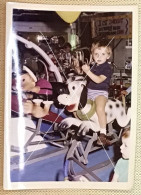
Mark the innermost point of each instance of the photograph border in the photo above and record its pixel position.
(76, 185)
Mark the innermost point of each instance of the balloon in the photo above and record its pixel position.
(68, 16)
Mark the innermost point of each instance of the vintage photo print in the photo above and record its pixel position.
(70, 96)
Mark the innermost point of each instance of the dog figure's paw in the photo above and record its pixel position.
(68, 122)
(86, 126)
(63, 125)
(83, 129)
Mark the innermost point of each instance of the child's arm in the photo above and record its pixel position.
(92, 76)
(115, 178)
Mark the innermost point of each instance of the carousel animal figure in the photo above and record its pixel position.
(84, 109)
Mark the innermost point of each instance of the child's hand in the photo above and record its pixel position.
(124, 92)
(86, 68)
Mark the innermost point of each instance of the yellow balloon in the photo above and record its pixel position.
(68, 16)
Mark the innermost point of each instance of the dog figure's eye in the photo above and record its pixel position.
(73, 87)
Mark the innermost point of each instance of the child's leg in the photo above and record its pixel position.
(100, 110)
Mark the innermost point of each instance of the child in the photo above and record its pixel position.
(127, 91)
(100, 75)
(121, 168)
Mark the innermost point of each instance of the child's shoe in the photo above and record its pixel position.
(103, 141)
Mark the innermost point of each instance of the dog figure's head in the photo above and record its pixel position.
(77, 97)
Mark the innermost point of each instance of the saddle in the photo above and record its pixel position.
(87, 116)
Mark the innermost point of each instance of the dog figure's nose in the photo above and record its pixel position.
(73, 78)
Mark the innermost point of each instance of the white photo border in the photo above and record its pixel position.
(8, 185)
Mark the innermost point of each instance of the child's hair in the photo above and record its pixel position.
(102, 43)
(126, 132)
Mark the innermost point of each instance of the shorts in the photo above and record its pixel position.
(93, 94)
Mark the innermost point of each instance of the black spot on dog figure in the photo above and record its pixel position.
(117, 105)
(110, 106)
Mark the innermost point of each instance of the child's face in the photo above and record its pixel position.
(125, 148)
(100, 55)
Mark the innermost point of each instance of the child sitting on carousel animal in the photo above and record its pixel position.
(99, 81)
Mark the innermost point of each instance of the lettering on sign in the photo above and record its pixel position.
(118, 26)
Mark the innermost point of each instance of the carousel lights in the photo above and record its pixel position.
(73, 41)
(39, 38)
(72, 36)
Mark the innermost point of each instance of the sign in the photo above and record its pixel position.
(118, 26)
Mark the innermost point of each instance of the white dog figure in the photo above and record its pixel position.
(86, 117)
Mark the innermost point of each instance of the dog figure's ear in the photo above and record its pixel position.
(83, 98)
(58, 88)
